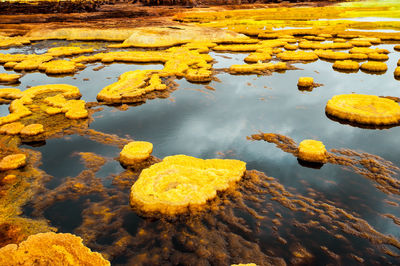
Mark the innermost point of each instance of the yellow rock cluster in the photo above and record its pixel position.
(258, 56)
(32, 130)
(305, 82)
(16, 128)
(131, 86)
(13, 161)
(51, 249)
(373, 66)
(9, 78)
(20, 107)
(135, 151)
(324, 46)
(363, 50)
(257, 68)
(312, 151)
(397, 72)
(364, 109)
(297, 56)
(73, 109)
(332, 55)
(57, 67)
(347, 65)
(6, 42)
(180, 182)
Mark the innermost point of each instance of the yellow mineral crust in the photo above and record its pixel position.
(13, 161)
(256, 68)
(358, 43)
(67, 51)
(32, 130)
(346, 65)
(297, 56)
(135, 151)
(170, 36)
(331, 55)
(51, 249)
(13, 41)
(73, 109)
(374, 66)
(305, 82)
(290, 47)
(318, 45)
(364, 50)
(9, 78)
(58, 67)
(131, 86)
(181, 181)
(19, 108)
(255, 57)
(32, 62)
(397, 72)
(378, 57)
(11, 128)
(397, 47)
(312, 151)
(364, 109)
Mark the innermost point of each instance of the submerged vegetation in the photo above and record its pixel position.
(136, 205)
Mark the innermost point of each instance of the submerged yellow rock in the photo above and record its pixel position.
(51, 249)
(9, 78)
(135, 151)
(13, 161)
(312, 151)
(180, 181)
(364, 109)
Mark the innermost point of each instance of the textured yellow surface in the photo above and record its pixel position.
(32, 130)
(255, 57)
(374, 66)
(13, 161)
(378, 57)
(397, 72)
(364, 109)
(312, 151)
(297, 56)
(180, 181)
(9, 78)
(329, 54)
(58, 67)
(135, 151)
(305, 82)
(256, 68)
(51, 249)
(346, 65)
(11, 128)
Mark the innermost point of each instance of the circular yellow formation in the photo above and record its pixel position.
(374, 66)
(397, 72)
(312, 151)
(297, 56)
(32, 130)
(378, 57)
(135, 151)
(180, 181)
(305, 82)
(13, 161)
(346, 65)
(364, 109)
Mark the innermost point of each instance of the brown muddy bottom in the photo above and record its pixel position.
(282, 211)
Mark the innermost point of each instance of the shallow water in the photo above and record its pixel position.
(208, 123)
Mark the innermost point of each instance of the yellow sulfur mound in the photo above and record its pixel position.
(331, 55)
(73, 109)
(58, 67)
(9, 78)
(135, 151)
(13, 161)
(131, 86)
(378, 57)
(198, 75)
(32, 62)
(11, 128)
(397, 47)
(364, 109)
(364, 50)
(346, 65)
(255, 57)
(373, 66)
(358, 43)
(312, 151)
(358, 56)
(180, 181)
(290, 47)
(32, 130)
(51, 249)
(305, 82)
(397, 72)
(256, 68)
(297, 56)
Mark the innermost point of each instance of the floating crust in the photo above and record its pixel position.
(135, 151)
(181, 181)
(312, 151)
(374, 66)
(378, 57)
(51, 249)
(346, 65)
(32, 130)
(305, 82)
(257, 68)
(57, 67)
(297, 56)
(9, 78)
(12, 161)
(11, 128)
(364, 109)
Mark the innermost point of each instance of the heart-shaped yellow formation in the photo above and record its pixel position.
(181, 181)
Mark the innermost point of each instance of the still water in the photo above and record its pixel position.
(214, 122)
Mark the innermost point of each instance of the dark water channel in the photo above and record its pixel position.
(206, 123)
